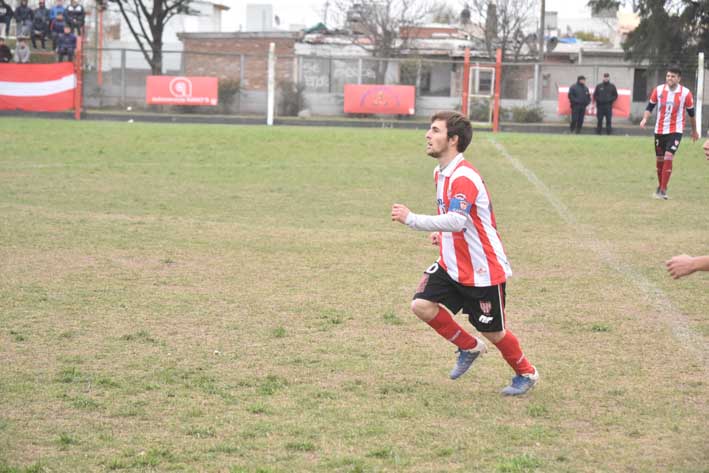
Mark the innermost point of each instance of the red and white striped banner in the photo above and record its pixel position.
(37, 87)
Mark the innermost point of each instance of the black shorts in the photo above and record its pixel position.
(668, 143)
(484, 306)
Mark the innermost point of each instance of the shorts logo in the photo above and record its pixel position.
(486, 307)
(432, 269)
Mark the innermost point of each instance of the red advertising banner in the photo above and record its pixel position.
(621, 107)
(178, 90)
(384, 99)
(37, 87)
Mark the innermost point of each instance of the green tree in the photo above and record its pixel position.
(669, 30)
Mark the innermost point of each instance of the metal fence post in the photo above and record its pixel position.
(123, 77)
(271, 83)
(700, 90)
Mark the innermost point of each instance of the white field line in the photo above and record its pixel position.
(666, 312)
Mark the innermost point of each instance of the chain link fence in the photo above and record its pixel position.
(313, 85)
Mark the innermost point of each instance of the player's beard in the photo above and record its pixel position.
(434, 153)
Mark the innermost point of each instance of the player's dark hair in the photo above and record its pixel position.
(674, 69)
(457, 125)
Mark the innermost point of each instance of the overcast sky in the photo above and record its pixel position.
(310, 12)
(301, 12)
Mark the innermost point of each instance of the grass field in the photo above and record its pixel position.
(236, 299)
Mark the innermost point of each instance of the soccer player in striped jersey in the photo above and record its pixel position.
(472, 268)
(673, 99)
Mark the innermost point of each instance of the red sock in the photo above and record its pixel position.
(666, 173)
(659, 164)
(449, 329)
(512, 353)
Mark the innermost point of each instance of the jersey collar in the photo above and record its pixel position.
(448, 170)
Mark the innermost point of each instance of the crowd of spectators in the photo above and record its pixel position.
(60, 24)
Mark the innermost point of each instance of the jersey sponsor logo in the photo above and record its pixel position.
(481, 270)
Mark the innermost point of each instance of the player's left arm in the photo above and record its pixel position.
(689, 105)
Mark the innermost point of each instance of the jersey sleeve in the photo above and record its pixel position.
(689, 101)
(653, 96)
(463, 195)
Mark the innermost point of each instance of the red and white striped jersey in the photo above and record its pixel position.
(473, 256)
(671, 107)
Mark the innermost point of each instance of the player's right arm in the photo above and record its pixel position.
(650, 106)
(447, 222)
(684, 265)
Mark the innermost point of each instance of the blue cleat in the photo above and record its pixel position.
(521, 384)
(466, 359)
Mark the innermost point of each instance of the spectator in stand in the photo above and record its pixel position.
(5, 16)
(5, 53)
(75, 17)
(22, 51)
(56, 29)
(66, 45)
(23, 18)
(56, 10)
(40, 25)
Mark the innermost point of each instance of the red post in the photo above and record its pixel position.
(79, 74)
(498, 81)
(99, 46)
(466, 82)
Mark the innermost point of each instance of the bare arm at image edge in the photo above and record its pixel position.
(684, 265)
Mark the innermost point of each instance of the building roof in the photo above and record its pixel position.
(242, 35)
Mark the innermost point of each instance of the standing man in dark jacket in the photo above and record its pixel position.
(580, 97)
(75, 16)
(23, 17)
(40, 24)
(5, 16)
(605, 94)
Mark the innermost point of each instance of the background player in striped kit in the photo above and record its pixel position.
(472, 268)
(673, 99)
